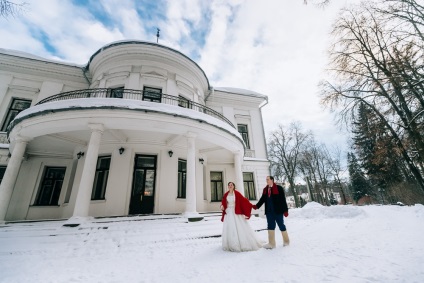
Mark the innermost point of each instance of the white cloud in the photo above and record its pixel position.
(125, 18)
(277, 48)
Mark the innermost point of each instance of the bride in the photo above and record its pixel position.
(237, 235)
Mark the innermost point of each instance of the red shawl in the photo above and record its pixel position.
(243, 205)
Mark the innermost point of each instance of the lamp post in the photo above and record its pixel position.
(382, 194)
(303, 197)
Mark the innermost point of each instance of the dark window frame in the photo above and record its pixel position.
(184, 102)
(152, 94)
(44, 197)
(182, 178)
(249, 187)
(244, 134)
(215, 187)
(2, 171)
(101, 177)
(13, 111)
(117, 92)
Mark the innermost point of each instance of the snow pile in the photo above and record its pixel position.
(419, 210)
(316, 210)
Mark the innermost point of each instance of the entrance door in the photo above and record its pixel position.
(143, 189)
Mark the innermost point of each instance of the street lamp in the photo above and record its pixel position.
(303, 197)
(381, 191)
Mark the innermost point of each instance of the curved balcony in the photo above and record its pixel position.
(136, 95)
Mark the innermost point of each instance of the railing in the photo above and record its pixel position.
(136, 95)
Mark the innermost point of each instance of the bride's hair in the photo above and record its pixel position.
(233, 185)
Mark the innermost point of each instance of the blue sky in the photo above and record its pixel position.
(274, 47)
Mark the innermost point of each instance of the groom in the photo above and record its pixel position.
(275, 207)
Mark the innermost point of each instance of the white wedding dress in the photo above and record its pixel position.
(237, 235)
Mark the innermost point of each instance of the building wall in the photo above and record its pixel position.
(36, 80)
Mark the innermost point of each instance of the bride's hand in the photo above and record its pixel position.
(222, 207)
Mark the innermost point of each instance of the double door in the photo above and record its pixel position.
(143, 188)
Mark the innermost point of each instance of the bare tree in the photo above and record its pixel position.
(308, 168)
(319, 3)
(284, 148)
(377, 59)
(9, 8)
(334, 162)
(316, 164)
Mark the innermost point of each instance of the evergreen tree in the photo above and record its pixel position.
(358, 184)
(375, 149)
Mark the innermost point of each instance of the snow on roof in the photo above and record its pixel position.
(240, 91)
(35, 57)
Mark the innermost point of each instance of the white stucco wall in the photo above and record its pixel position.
(179, 76)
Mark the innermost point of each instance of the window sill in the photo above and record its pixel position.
(45, 205)
(98, 200)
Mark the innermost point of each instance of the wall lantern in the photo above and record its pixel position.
(201, 160)
(80, 154)
(170, 153)
(121, 150)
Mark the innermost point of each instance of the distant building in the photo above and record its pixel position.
(137, 130)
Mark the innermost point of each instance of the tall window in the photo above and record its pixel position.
(100, 179)
(182, 174)
(242, 128)
(50, 186)
(16, 106)
(117, 92)
(2, 170)
(184, 102)
(249, 186)
(217, 186)
(152, 94)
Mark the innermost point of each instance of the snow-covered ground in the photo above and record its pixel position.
(328, 244)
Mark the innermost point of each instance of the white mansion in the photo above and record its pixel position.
(137, 130)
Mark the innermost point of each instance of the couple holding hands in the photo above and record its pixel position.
(237, 235)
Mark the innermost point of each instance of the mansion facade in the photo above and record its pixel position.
(137, 130)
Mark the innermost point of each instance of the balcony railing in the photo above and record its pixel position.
(136, 95)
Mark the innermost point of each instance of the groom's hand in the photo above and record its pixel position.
(286, 214)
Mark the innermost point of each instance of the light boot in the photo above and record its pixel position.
(271, 240)
(286, 240)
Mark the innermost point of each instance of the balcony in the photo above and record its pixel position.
(150, 96)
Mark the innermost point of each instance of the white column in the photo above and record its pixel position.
(239, 175)
(191, 177)
(83, 199)
(9, 178)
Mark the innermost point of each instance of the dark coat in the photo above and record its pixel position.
(278, 199)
